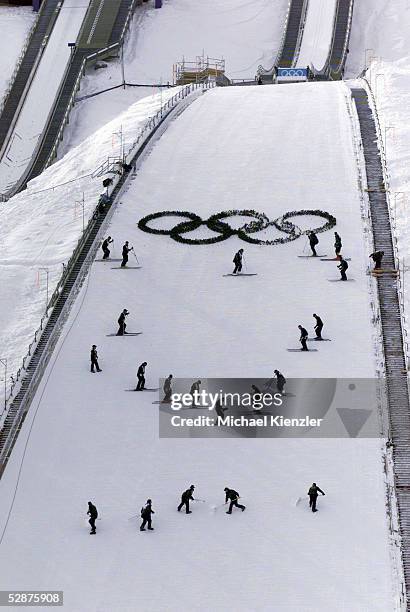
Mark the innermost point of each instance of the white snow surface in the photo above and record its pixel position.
(317, 33)
(33, 116)
(381, 34)
(15, 23)
(245, 34)
(40, 227)
(85, 439)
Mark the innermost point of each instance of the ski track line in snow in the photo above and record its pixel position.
(51, 368)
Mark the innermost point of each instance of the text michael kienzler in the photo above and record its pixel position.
(245, 421)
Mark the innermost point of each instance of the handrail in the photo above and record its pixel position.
(143, 135)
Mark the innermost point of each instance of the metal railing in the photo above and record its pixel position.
(143, 136)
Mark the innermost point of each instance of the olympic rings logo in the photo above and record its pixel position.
(216, 223)
(292, 72)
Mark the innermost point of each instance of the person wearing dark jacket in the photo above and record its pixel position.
(93, 514)
(121, 322)
(280, 381)
(233, 496)
(303, 338)
(377, 257)
(185, 499)
(141, 377)
(194, 392)
(105, 248)
(313, 493)
(343, 265)
(146, 512)
(237, 260)
(318, 327)
(94, 359)
(125, 250)
(167, 389)
(313, 241)
(107, 182)
(338, 244)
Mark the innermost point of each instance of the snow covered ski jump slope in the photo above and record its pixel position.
(32, 119)
(85, 438)
(317, 33)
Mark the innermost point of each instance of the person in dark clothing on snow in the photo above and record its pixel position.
(343, 267)
(377, 257)
(185, 499)
(318, 327)
(303, 338)
(107, 182)
(121, 322)
(313, 493)
(237, 260)
(167, 389)
(338, 244)
(93, 514)
(194, 390)
(280, 381)
(146, 512)
(94, 359)
(141, 377)
(233, 496)
(125, 250)
(313, 241)
(105, 248)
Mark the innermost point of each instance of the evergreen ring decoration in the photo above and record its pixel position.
(259, 222)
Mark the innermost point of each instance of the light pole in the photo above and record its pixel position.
(47, 273)
(3, 361)
(378, 75)
(82, 204)
(386, 129)
(120, 134)
(122, 66)
(367, 58)
(403, 195)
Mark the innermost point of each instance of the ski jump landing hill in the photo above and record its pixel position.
(67, 36)
(102, 443)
